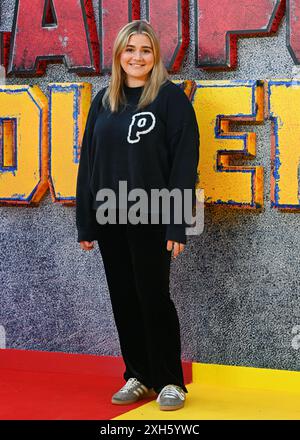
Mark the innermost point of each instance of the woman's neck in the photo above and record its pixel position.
(135, 82)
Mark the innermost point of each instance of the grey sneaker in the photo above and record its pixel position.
(171, 397)
(131, 392)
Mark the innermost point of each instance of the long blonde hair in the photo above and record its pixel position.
(114, 95)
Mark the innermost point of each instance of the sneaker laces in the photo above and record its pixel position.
(172, 391)
(130, 384)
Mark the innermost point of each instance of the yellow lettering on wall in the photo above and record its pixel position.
(217, 103)
(69, 104)
(283, 106)
(23, 144)
(9, 147)
(187, 85)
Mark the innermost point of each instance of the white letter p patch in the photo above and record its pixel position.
(141, 123)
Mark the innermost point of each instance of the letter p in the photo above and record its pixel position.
(142, 123)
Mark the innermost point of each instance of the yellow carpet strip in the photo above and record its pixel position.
(222, 392)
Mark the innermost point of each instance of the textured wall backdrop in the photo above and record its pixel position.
(236, 287)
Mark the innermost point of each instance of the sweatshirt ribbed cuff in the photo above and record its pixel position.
(85, 236)
(176, 233)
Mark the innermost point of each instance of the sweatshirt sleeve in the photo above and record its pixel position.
(85, 216)
(183, 144)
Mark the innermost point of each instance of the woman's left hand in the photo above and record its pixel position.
(177, 247)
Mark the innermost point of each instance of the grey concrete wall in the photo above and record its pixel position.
(236, 287)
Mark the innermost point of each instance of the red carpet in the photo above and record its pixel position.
(39, 385)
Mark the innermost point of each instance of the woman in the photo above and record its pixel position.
(141, 130)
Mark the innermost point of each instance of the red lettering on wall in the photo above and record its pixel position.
(4, 48)
(293, 29)
(55, 31)
(65, 30)
(113, 15)
(220, 23)
(170, 19)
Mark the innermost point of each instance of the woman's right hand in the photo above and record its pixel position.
(87, 245)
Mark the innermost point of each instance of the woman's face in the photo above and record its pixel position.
(137, 59)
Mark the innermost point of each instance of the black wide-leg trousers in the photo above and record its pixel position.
(137, 268)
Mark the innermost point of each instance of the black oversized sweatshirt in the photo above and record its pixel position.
(152, 148)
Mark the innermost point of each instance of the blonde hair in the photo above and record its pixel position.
(114, 95)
